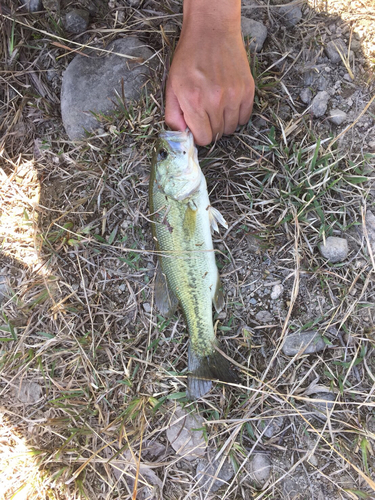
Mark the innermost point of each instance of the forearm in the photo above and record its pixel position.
(217, 15)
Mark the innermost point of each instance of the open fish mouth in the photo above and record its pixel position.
(178, 142)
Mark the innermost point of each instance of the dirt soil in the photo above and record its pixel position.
(91, 374)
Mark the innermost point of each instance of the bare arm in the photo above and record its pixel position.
(210, 88)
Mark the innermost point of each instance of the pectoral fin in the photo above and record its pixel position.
(165, 300)
(218, 298)
(216, 218)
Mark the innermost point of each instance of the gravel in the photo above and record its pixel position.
(76, 21)
(290, 15)
(337, 116)
(333, 53)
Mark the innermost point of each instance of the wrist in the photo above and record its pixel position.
(217, 15)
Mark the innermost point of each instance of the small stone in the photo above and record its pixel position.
(147, 307)
(306, 95)
(277, 290)
(3, 287)
(250, 8)
(135, 3)
(76, 21)
(303, 343)
(208, 468)
(184, 436)
(29, 392)
(325, 406)
(90, 84)
(260, 468)
(253, 301)
(256, 31)
(122, 287)
(52, 5)
(319, 103)
(332, 50)
(33, 5)
(271, 426)
(290, 15)
(264, 317)
(335, 249)
(370, 229)
(337, 116)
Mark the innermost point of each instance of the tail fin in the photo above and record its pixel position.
(205, 369)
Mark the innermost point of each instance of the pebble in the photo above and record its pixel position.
(256, 31)
(260, 468)
(90, 84)
(53, 5)
(319, 103)
(250, 8)
(3, 287)
(347, 77)
(337, 116)
(271, 426)
(253, 301)
(183, 436)
(146, 307)
(304, 342)
(135, 3)
(76, 21)
(306, 95)
(322, 407)
(33, 5)
(290, 15)
(208, 468)
(264, 317)
(122, 287)
(277, 290)
(29, 392)
(370, 229)
(332, 52)
(335, 249)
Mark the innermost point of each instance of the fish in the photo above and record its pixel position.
(182, 220)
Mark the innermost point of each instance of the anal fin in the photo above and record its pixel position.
(165, 300)
(216, 218)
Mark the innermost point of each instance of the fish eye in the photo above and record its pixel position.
(163, 154)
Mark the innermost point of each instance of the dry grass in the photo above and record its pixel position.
(79, 259)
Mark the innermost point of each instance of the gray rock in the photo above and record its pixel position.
(135, 3)
(290, 15)
(323, 407)
(253, 301)
(29, 392)
(306, 95)
(33, 5)
(90, 84)
(53, 5)
(271, 426)
(184, 437)
(146, 307)
(76, 21)
(335, 249)
(277, 291)
(337, 116)
(250, 9)
(333, 53)
(319, 103)
(264, 317)
(3, 287)
(304, 343)
(256, 31)
(208, 468)
(260, 468)
(370, 229)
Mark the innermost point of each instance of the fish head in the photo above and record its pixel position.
(177, 170)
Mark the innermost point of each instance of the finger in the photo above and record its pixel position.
(174, 116)
(217, 125)
(231, 117)
(199, 125)
(246, 108)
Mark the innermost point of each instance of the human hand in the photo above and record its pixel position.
(210, 88)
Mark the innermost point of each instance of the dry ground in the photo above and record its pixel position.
(88, 370)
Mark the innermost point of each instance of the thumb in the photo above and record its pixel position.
(174, 116)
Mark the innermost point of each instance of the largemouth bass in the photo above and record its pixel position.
(182, 221)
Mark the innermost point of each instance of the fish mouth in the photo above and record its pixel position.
(178, 141)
